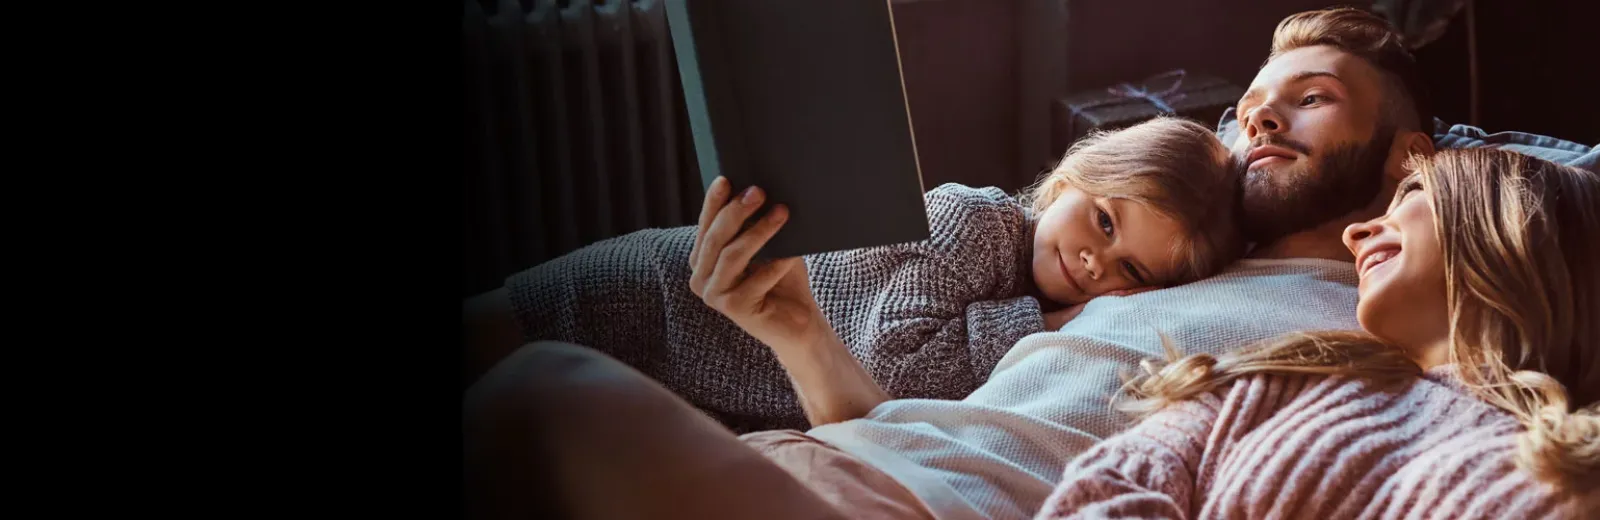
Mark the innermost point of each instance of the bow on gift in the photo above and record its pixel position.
(1159, 98)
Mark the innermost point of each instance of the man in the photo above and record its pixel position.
(1324, 129)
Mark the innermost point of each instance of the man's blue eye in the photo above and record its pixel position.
(1309, 99)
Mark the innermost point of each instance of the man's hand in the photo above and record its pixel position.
(773, 302)
(770, 300)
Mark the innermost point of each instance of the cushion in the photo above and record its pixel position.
(1544, 147)
(1446, 135)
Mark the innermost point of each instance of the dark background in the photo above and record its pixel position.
(1537, 69)
(552, 162)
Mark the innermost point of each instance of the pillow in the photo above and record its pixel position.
(1228, 127)
(1544, 147)
(1445, 135)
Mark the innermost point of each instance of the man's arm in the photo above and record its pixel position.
(831, 383)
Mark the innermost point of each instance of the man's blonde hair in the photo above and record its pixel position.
(1406, 103)
(1176, 167)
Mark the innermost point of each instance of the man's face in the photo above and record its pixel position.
(1311, 139)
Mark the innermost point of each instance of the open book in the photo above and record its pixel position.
(804, 99)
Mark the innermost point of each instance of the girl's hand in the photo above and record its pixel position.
(1054, 320)
(771, 300)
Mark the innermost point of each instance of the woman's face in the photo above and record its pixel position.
(1401, 265)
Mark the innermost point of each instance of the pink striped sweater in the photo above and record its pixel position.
(1271, 446)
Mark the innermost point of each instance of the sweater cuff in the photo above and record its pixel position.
(994, 326)
(527, 290)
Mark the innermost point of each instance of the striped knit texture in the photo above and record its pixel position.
(927, 319)
(1276, 446)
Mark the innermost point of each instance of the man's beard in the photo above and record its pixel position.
(1276, 204)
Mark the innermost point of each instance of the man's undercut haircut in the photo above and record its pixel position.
(1405, 103)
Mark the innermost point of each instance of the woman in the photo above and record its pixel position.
(1473, 391)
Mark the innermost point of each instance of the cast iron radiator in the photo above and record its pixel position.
(575, 130)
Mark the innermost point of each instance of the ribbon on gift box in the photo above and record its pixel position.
(1161, 99)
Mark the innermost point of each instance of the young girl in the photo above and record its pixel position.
(1133, 209)
(1473, 392)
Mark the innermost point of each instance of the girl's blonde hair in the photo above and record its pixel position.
(1176, 167)
(1518, 235)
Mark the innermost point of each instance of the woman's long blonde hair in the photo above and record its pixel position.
(1521, 244)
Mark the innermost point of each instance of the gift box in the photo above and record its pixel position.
(1200, 97)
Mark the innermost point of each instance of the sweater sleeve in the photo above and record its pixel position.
(930, 319)
(578, 297)
(994, 326)
(1148, 471)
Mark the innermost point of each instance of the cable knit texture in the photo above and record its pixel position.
(1275, 446)
(928, 319)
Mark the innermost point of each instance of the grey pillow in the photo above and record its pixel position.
(1551, 149)
(1445, 135)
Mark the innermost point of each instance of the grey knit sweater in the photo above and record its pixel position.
(927, 319)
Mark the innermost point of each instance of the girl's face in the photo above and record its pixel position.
(1084, 246)
(1401, 266)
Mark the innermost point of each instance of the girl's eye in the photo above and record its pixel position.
(1105, 221)
(1311, 99)
(1133, 273)
(1412, 186)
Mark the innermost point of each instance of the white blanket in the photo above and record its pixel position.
(998, 453)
